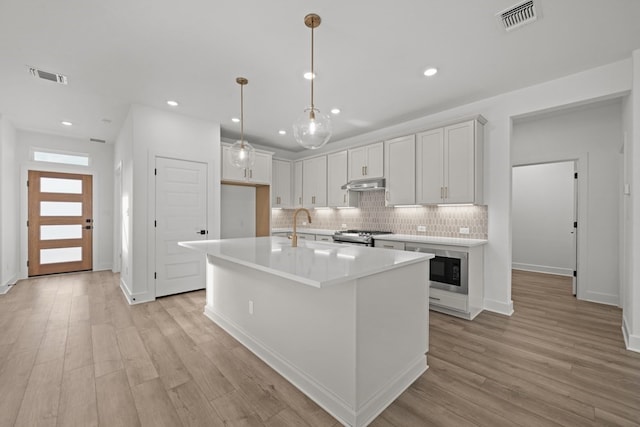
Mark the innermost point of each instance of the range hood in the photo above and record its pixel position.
(365, 184)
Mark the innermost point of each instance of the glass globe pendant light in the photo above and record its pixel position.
(242, 154)
(313, 128)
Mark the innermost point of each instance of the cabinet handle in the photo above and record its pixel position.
(313, 200)
(434, 298)
(442, 192)
(446, 192)
(299, 200)
(366, 170)
(250, 173)
(344, 198)
(362, 170)
(388, 246)
(386, 195)
(245, 173)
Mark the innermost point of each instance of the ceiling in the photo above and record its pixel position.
(370, 57)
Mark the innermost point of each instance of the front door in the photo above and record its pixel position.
(60, 223)
(181, 215)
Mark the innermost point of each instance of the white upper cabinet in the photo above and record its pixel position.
(281, 187)
(366, 162)
(400, 170)
(259, 173)
(336, 178)
(449, 164)
(297, 184)
(314, 182)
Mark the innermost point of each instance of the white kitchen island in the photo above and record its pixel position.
(347, 325)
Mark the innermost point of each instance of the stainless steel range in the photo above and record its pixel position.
(357, 237)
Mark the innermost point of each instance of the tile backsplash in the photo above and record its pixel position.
(372, 214)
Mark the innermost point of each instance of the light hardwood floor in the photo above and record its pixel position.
(73, 353)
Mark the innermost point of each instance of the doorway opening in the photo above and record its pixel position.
(544, 219)
(60, 222)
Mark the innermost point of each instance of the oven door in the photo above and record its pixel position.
(342, 242)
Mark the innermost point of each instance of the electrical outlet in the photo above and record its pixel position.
(344, 226)
(250, 307)
(422, 228)
(464, 230)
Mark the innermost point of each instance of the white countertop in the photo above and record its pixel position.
(312, 263)
(320, 231)
(451, 241)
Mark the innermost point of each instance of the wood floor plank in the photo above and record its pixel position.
(192, 407)
(136, 360)
(40, 402)
(79, 349)
(106, 353)
(116, 407)
(14, 377)
(78, 404)
(154, 406)
(166, 361)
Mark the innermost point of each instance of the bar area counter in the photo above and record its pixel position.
(347, 325)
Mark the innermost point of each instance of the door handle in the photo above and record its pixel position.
(203, 232)
(88, 227)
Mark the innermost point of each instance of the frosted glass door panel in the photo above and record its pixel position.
(60, 208)
(60, 185)
(58, 232)
(52, 256)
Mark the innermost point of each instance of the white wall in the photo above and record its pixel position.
(101, 167)
(543, 205)
(237, 211)
(149, 133)
(9, 202)
(631, 227)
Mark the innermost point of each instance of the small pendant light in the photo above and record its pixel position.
(242, 154)
(312, 129)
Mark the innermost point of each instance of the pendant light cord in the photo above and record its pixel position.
(313, 76)
(241, 115)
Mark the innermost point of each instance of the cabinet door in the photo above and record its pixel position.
(336, 178)
(375, 161)
(430, 167)
(314, 181)
(260, 172)
(357, 161)
(459, 161)
(400, 170)
(281, 184)
(229, 171)
(297, 184)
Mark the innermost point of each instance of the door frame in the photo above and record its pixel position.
(582, 168)
(23, 271)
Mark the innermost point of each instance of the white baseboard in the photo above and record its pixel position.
(331, 403)
(6, 286)
(601, 298)
(542, 269)
(632, 342)
(499, 307)
(134, 298)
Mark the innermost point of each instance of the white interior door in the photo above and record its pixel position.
(181, 214)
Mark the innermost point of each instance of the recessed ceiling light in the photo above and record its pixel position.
(282, 132)
(430, 71)
(172, 103)
(67, 123)
(335, 111)
(309, 75)
(235, 120)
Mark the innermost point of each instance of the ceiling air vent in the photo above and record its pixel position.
(45, 75)
(516, 16)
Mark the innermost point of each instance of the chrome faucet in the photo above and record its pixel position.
(294, 236)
